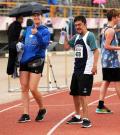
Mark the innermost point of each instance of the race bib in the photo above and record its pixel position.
(78, 51)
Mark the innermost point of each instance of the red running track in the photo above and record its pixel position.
(59, 109)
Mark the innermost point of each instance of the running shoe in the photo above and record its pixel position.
(104, 110)
(40, 115)
(86, 123)
(24, 118)
(74, 120)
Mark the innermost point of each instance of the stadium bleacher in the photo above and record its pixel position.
(62, 9)
(6, 5)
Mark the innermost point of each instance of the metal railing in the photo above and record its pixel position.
(89, 12)
(61, 10)
(56, 74)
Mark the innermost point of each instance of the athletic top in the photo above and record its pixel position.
(35, 45)
(109, 57)
(84, 48)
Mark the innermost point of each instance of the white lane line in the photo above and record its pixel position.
(64, 119)
(110, 104)
(6, 109)
(98, 88)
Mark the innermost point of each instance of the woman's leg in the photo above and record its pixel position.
(24, 81)
(103, 90)
(33, 85)
(101, 108)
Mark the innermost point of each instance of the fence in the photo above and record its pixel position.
(56, 74)
(62, 10)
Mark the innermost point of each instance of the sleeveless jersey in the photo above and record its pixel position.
(84, 54)
(109, 57)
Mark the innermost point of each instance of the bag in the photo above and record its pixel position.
(36, 63)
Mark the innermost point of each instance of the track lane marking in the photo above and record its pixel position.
(14, 106)
(98, 89)
(8, 108)
(65, 118)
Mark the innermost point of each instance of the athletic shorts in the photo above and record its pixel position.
(111, 74)
(37, 70)
(81, 85)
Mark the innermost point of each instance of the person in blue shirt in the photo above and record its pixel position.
(36, 40)
(85, 66)
(52, 2)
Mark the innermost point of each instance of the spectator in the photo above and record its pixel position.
(52, 2)
(62, 36)
(50, 28)
(13, 37)
(29, 22)
(71, 28)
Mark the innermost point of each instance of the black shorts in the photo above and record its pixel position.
(81, 85)
(37, 70)
(111, 74)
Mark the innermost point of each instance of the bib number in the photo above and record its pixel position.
(78, 52)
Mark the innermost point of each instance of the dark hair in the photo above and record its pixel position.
(80, 18)
(18, 16)
(29, 22)
(112, 13)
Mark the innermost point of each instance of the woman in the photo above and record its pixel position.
(36, 41)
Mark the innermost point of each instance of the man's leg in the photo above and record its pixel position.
(103, 90)
(117, 87)
(76, 119)
(76, 100)
(83, 100)
(86, 122)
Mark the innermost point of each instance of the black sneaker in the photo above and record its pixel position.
(74, 120)
(24, 118)
(41, 115)
(86, 123)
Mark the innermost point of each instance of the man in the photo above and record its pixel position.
(86, 58)
(51, 29)
(110, 61)
(13, 37)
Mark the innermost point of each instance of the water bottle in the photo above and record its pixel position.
(62, 37)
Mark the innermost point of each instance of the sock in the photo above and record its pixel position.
(85, 119)
(77, 116)
(100, 104)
